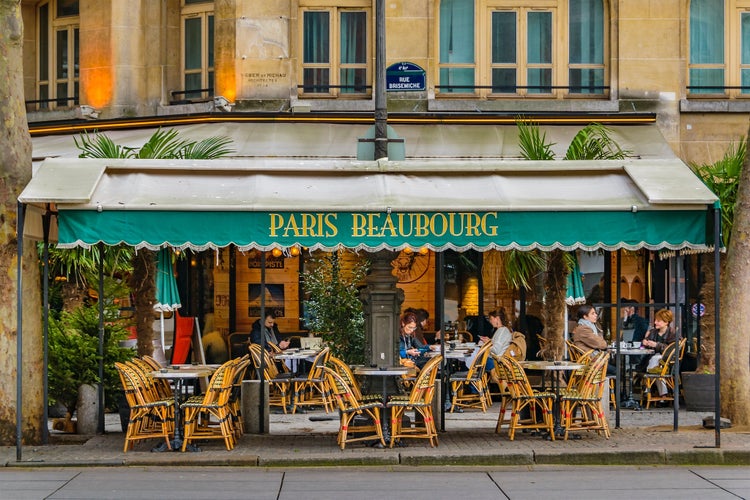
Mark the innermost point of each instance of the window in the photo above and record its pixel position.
(57, 49)
(719, 48)
(335, 51)
(501, 48)
(198, 49)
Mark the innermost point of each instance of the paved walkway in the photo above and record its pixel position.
(644, 437)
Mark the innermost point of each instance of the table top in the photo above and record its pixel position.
(631, 351)
(389, 371)
(297, 354)
(185, 371)
(551, 365)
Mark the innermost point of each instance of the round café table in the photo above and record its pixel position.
(555, 367)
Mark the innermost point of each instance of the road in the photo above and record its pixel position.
(234, 483)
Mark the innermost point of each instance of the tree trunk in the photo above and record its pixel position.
(707, 354)
(15, 161)
(142, 284)
(554, 311)
(735, 311)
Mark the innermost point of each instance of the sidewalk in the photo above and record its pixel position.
(644, 438)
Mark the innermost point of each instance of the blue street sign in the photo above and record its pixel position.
(404, 77)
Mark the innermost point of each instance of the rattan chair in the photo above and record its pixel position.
(359, 420)
(148, 418)
(279, 384)
(581, 403)
(345, 372)
(664, 374)
(469, 388)
(313, 390)
(235, 397)
(420, 400)
(208, 416)
(539, 403)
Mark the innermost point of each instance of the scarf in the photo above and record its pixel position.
(589, 324)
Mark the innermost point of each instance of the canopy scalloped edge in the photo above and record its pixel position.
(664, 247)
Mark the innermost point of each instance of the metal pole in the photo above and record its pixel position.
(262, 374)
(439, 316)
(100, 408)
(19, 323)
(717, 329)
(381, 108)
(45, 328)
(618, 339)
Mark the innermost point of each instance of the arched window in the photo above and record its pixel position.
(57, 54)
(719, 64)
(501, 48)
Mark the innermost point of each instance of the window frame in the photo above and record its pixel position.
(561, 65)
(732, 50)
(334, 64)
(70, 26)
(204, 11)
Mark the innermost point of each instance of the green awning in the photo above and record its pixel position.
(441, 204)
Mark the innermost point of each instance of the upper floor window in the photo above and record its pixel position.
(57, 54)
(336, 50)
(197, 49)
(500, 48)
(719, 48)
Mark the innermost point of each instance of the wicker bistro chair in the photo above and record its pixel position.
(235, 396)
(523, 396)
(581, 402)
(419, 400)
(279, 384)
(313, 390)
(503, 391)
(148, 418)
(576, 354)
(663, 374)
(351, 407)
(469, 388)
(346, 373)
(208, 416)
(162, 386)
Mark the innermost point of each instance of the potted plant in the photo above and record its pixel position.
(74, 360)
(332, 304)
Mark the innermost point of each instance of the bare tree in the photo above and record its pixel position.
(15, 165)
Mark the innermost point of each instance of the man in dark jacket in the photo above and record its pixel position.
(270, 330)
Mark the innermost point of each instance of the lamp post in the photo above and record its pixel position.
(381, 108)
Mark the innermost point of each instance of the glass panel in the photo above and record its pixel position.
(504, 80)
(76, 64)
(586, 32)
(456, 31)
(193, 45)
(61, 41)
(586, 81)
(353, 37)
(353, 80)
(503, 38)
(192, 82)
(745, 75)
(211, 82)
(210, 36)
(316, 37)
(711, 81)
(706, 32)
(190, 2)
(462, 80)
(43, 96)
(44, 42)
(539, 80)
(67, 8)
(76, 93)
(540, 38)
(316, 80)
(62, 93)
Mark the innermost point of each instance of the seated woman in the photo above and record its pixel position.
(657, 338)
(587, 334)
(409, 348)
